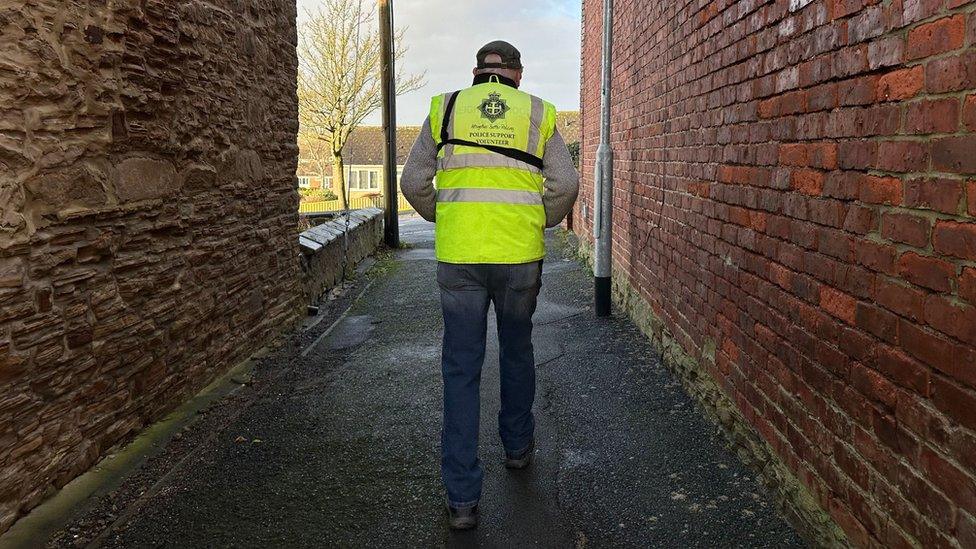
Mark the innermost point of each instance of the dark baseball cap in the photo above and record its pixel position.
(511, 58)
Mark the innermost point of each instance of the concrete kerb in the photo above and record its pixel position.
(793, 499)
(44, 520)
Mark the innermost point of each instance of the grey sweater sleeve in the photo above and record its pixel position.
(417, 181)
(562, 180)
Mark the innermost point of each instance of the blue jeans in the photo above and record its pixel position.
(466, 292)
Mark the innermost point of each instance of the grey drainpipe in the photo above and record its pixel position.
(603, 179)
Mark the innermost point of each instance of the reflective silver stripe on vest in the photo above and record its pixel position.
(444, 99)
(535, 126)
(486, 160)
(497, 196)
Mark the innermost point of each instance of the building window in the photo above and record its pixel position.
(364, 180)
(304, 182)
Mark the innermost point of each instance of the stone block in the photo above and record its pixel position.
(79, 186)
(38, 330)
(15, 304)
(198, 178)
(12, 153)
(243, 166)
(321, 234)
(12, 219)
(145, 179)
(12, 270)
(308, 246)
(12, 366)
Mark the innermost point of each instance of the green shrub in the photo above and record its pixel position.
(317, 195)
(574, 151)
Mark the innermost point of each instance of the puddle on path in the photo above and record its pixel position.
(352, 331)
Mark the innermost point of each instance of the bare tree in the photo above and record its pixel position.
(339, 75)
(315, 156)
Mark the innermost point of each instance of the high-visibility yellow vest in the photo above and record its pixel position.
(489, 190)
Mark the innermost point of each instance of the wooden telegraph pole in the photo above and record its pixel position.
(391, 225)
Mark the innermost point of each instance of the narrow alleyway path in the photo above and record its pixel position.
(348, 441)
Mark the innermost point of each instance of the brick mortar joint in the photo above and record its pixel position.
(791, 497)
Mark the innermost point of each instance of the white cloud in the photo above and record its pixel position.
(444, 35)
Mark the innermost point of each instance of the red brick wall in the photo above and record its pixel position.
(795, 200)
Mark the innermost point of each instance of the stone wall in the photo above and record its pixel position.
(795, 226)
(325, 250)
(148, 225)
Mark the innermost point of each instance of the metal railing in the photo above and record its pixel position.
(356, 203)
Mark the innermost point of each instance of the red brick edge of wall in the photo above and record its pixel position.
(794, 210)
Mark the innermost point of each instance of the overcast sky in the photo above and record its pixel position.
(444, 35)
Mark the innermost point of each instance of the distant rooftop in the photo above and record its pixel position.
(365, 145)
(568, 123)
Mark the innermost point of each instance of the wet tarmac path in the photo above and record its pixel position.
(342, 449)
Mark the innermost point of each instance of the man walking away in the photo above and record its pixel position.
(503, 174)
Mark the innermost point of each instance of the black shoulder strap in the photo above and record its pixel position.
(445, 135)
(515, 154)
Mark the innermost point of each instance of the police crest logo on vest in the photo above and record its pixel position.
(494, 107)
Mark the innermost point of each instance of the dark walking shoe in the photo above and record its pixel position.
(464, 518)
(522, 461)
